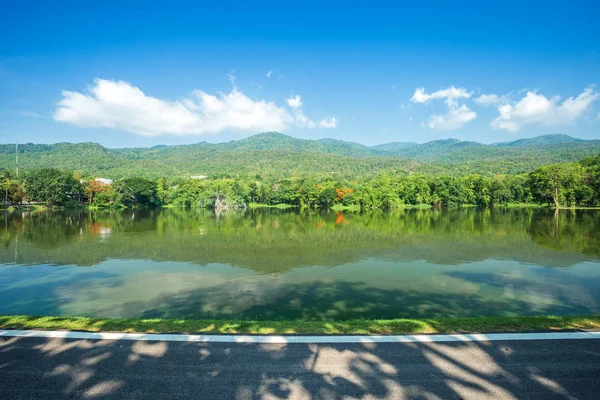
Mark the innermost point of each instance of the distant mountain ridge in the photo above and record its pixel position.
(293, 156)
(541, 140)
(280, 141)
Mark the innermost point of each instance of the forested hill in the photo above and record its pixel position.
(276, 154)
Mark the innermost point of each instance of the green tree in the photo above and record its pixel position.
(557, 183)
(53, 187)
(592, 166)
(163, 191)
(137, 192)
(16, 192)
(327, 197)
(107, 197)
(500, 190)
(5, 180)
(481, 190)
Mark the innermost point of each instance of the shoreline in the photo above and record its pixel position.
(254, 206)
(350, 327)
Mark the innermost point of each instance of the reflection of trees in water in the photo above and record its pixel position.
(576, 231)
(274, 240)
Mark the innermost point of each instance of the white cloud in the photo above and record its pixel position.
(536, 108)
(504, 120)
(272, 74)
(231, 77)
(573, 108)
(294, 102)
(450, 94)
(455, 118)
(404, 107)
(490, 99)
(120, 105)
(30, 114)
(329, 122)
(302, 120)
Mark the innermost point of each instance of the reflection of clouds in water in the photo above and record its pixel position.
(39, 290)
(539, 299)
(410, 264)
(220, 291)
(509, 291)
(105, 233)
(450, 284)
(122, 295)
(513, 274)
(542, 289)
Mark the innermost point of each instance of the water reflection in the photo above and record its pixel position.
(307, 265)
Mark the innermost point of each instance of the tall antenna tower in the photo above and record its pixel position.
(17, 158)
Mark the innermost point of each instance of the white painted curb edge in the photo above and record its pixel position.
(302, 339)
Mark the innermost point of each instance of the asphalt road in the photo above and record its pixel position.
(32, 368)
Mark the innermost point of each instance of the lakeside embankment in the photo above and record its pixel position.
(383, 327)
(337, 207)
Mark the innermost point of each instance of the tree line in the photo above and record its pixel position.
(558, 185)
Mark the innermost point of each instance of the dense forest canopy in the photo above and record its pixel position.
(558, 185)
(276, 156)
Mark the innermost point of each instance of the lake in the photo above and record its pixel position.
(274, 264)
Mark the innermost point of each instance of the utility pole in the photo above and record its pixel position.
(17, 157)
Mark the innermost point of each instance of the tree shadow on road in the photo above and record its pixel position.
(57, 368)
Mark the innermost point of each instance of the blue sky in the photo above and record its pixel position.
(147, 73)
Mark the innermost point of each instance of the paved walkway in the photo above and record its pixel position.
(43, 367)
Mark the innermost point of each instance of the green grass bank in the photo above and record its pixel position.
(384, 327)
(278, 206)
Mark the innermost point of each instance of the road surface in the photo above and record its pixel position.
(32, 368)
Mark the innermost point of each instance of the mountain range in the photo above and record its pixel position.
(276, 154)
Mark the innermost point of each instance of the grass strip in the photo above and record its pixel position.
(385, 327)
(278, 206)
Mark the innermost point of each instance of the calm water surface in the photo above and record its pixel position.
(300, 265)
